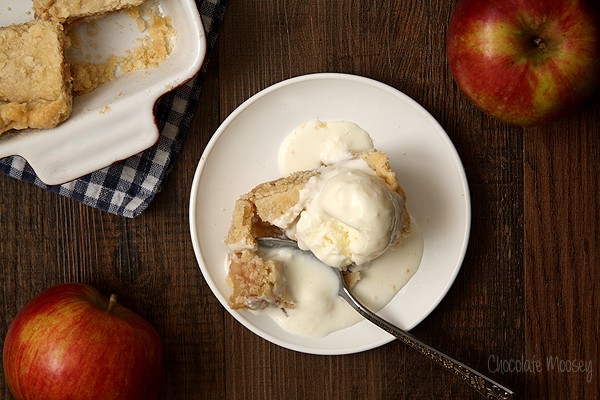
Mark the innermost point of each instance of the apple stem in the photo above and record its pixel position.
(540, 43)
(112, 301)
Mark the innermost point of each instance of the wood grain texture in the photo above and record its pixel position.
(562, 174)
(528, 289)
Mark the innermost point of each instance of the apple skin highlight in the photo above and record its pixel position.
(525, 62)
(70, 342)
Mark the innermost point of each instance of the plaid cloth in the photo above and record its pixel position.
(127, 188)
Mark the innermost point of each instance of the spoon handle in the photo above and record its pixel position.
(481, 383)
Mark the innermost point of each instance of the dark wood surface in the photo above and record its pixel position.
(529, 288)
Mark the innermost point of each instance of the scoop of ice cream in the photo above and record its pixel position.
(316, 143)
(349, 215)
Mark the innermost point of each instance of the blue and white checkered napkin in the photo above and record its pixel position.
(128, 187)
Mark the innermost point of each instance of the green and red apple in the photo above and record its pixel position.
(70, 342)
(525, 62)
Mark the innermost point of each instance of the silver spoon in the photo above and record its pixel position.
(485, 386)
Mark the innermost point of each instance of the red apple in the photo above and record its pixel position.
(70, 342)
(525, 62)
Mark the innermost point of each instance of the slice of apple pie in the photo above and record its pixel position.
(273, 209)
(35, 79)
(66, 11)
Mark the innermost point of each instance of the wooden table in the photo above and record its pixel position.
(524, 308)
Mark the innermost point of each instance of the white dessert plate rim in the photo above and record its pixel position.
(115, 121)
(243, 152)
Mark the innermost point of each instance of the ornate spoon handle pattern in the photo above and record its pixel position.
(481, 383)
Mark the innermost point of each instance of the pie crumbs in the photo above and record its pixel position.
(152, 49)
